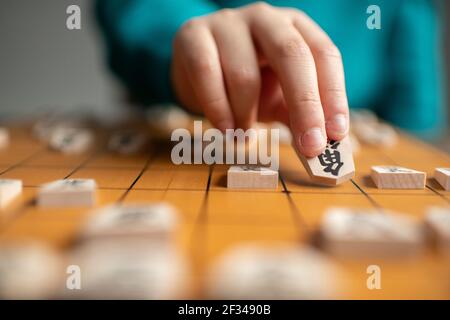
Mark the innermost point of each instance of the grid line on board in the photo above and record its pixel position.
(144, 168)
(295, 212)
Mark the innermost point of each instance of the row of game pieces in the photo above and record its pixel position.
(128, 252)
(122, 251)
(81, 192)
(73, 140)
(384, 177)
(72, 134)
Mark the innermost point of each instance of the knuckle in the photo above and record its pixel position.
(337, 91)
(308, 98)
(292, 47)
(328, 51)
(242, 76)
(202, 64)
(261, 7)
(214, 105)
(190, 26)
(227, 14)
(296, 14)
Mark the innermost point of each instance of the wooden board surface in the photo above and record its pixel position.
(215, 219)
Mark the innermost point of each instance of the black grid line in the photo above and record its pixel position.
(295, 211)
(123, 196)
(371, 200)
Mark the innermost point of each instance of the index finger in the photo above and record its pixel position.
(330, 74)
(290, 57)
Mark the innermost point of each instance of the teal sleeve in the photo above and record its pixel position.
(415, 94)
(139, 36)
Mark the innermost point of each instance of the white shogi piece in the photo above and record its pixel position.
(42, 130)
(394, 177)
(442, 175)
(334, 166)
(356, 146)
(370, 233)
(437, 221)
(278, 272)
(378, 134)
(68, 193)
(251, 177)
(163, 119)
(9, 189)
(155, 220)
(129, 269)
(71, 140)
(363, 116)
(29, 271)
(4, 138)
(127, 142)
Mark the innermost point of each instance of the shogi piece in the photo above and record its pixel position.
(334, 166)
(71, 140)
(127, 142)
(377, 134)
(68, 193)
(278, 272)
(163, 119)
(9, 189)
(370, 233)
(156, 220)
(356, 146)
(43, 129)
(4, 138)
(129, 269)
(437, 221)
(393, 177)
(29, 271)
(252, 177)
(442, 175)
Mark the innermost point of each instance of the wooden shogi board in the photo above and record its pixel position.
(215, 219)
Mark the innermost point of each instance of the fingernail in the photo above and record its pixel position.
(313, 138)
(338, 124)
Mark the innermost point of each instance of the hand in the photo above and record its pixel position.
(263, 63)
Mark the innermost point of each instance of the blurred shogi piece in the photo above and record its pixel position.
(44, 127)
(29, 271)
(369, 130)
(129, 269)
(368, 233)
(127, 142)
(9, 189)
(68, 193)
(437, 221)
(155, 221)
(164, 119)
(71, 140)
(4, 138)
(279, 272)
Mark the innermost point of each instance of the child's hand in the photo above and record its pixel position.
(266, 63)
